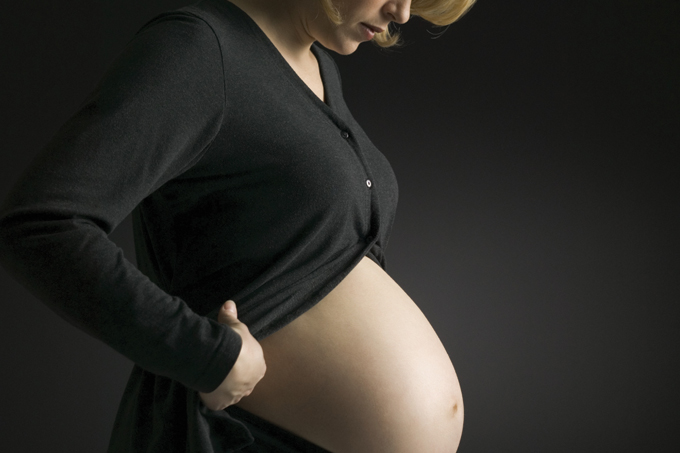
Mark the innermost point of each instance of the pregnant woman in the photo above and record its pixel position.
(222, 128)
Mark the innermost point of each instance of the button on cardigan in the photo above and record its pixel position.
(243, 185)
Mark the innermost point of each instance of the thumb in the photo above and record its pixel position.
(227, 312)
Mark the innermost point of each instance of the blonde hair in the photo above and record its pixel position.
(437, 12)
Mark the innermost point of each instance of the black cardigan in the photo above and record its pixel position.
(243, 185)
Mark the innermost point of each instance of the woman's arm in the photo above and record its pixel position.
(152, 116)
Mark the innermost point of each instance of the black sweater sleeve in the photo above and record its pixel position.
(151, 117)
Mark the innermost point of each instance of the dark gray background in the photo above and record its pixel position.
(537, 227)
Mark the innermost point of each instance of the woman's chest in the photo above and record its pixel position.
(310, 74)
(284, 148)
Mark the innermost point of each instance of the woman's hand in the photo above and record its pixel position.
(246, 372)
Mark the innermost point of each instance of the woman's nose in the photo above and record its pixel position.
(399, 10)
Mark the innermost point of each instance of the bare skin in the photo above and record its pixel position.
(294, 25)
(362, 370)
(248, 369)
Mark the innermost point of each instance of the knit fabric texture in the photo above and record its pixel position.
(242, 184)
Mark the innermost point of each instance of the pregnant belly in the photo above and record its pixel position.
(361, 371)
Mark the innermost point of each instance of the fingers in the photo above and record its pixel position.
(228, 313)
(230, 307)
(216, 401)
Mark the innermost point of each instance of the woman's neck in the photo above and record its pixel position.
(285, 24)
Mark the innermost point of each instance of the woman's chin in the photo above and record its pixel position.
(345, 47)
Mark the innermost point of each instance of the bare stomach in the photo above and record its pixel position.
(361, 371)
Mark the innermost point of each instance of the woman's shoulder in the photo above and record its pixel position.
(182, 25)
(203, 17)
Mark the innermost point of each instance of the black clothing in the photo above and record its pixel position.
(271, 438)
(243, 185)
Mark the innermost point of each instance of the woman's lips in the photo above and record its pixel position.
(370, 31)
(374, 28)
